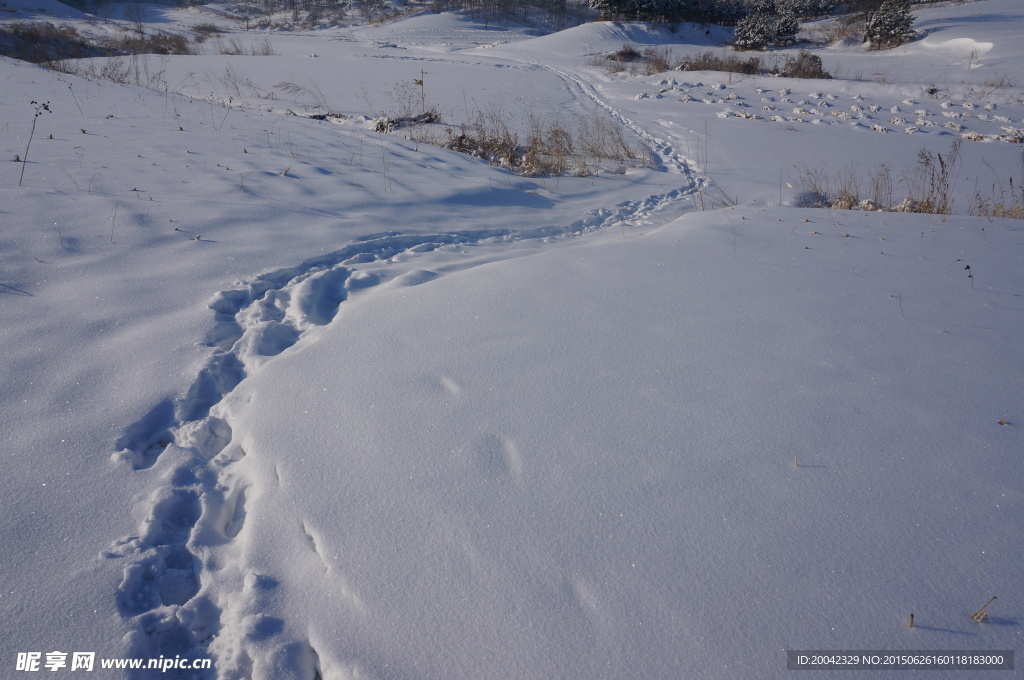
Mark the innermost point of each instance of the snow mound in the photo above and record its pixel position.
(446, 31)
(603, 36)
(958, 44)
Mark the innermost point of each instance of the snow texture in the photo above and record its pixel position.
(313, 401)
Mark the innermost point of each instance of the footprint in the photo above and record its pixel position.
(174, 514)
(208, 436)
(235, 513)
(498, 457)
(178, 583)
(320, 295)
(165, 574)
(144, 441)
(221, 375)
(271, 338)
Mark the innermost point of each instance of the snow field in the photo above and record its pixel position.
(415, 436)
(609, 484)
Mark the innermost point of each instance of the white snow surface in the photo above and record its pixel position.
(312, 401)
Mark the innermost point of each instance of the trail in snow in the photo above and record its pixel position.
(662, 149)
(202, 503)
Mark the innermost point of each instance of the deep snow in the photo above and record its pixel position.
(308, 399)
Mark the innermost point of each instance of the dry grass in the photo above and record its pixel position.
(626, 53)
(234, 46)
(1003, 199)
(928, 186)
(656, 60)
(154, 43)
(130, 70)
(44, 43)
(545, 147)
(731, 63)
(204, 31)
(844, 29)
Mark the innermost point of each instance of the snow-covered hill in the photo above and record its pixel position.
(309, 400)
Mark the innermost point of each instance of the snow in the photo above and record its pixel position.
(621, 499)
(306, 399)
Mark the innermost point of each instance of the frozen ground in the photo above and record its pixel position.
(314, 401)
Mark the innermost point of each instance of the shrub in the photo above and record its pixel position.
(625, 53)
(44, 43)
(709, 61)
(203, 31)
(844, 29)
(804, 65)
(658, 60)
(155, 43)
(40, 42)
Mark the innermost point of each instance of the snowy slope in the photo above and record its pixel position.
(523, 469)
(307, 400)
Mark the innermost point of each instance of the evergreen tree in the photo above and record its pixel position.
(755, 31)
(819, 8)
(786, 28)
(609, 9)
(806, 8)
(720, 11)
(644, 10)
(891, 25)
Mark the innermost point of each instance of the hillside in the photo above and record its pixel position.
(307, 398)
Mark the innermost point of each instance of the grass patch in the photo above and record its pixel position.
(45, 43)
(40, 42)
(928, 186)
(545, 147)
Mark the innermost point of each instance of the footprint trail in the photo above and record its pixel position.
(169, 564)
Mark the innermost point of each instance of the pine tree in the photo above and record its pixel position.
(720, 11)
(806, 8)
(890, 25)
(786, 28)
(755, 31)
(609, 9)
